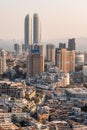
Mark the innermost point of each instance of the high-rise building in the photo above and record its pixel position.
(35, 61)
(79, 58)
(18, 48)
(50, 52)
(2, 61)
(36, 29)
(62, 45)
(70, 61)
(23, 47)
(71, 44)
(65, 60)
(28, 31)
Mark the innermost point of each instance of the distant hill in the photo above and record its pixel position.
(6, 44)
(81, 44)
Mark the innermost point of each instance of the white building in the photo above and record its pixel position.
(79, 59)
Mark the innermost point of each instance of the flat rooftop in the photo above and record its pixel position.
(77, 90)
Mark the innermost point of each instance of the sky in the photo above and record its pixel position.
(59, 18)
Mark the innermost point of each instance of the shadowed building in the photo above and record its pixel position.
(50, 52)
(71, 44)
(62, 45)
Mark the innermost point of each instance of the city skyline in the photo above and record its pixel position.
(60, 19)
(43, 65)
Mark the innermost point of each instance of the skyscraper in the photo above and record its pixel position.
(50, 52)
(71, 44)
(36, 29)
(28, 31)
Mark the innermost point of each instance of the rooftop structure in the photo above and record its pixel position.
(77, 92)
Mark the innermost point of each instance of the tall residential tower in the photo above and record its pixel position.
(65, 60)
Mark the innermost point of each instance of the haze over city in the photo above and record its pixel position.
(59, 18)
(43, 65)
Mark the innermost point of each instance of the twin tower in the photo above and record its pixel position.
(32, 30)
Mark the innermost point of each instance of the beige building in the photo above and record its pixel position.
(65, 60)
(50, 52)
(35, 62)
(2, 61)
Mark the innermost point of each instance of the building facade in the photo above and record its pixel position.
(65, 60)
(50, 52)
(79, 59)
(71, 44)
(35, 62)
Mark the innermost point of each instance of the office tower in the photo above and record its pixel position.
(50, 52)
(28, 32)
(2, 61)
(35, 61)
(62, 45)
(36, 29)
(71, 44)
(65, 60)
(18, 48)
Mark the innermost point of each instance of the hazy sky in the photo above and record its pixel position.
(59, 18)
